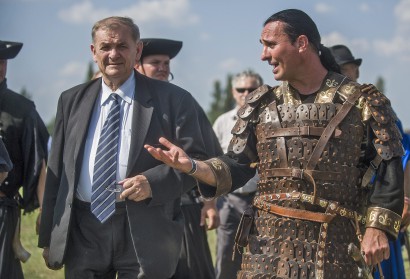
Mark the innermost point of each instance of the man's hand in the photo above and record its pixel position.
(174, 157)
(210, 212)
(136, 188)
(46, 252)
(375, 246)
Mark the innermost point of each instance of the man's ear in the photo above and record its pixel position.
(92, 48)
(302, 43)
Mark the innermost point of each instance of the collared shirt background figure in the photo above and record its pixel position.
(195, 259)
(232, 205)
(143, 237)
(25, 138)
(291, 193)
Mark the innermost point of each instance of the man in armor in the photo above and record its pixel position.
(328, 154)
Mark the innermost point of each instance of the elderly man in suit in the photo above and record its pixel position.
(110, 209)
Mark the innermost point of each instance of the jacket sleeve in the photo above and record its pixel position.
(166, 183)
(53, 178)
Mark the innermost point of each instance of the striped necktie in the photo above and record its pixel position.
(105, 165)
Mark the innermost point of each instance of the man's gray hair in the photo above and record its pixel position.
(113, 22)
(247, 74)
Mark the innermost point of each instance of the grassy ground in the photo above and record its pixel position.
(36, 269)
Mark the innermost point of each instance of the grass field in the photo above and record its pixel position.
(36, 269)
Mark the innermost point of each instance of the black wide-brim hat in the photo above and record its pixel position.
(343, 55)
(9, 50)
(154, 46)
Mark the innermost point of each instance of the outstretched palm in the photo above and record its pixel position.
(174, 157)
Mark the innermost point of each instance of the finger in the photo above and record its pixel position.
(166, 142)
(211, 223)
(203, 218)
(176, 157)
(367, 258)
(127, 192)
(386, 254)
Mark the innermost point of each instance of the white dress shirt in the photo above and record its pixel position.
(100, 113)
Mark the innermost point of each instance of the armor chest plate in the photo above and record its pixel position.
(287, 135)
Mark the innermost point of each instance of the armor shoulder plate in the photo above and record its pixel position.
(382, 120)
(247, 114)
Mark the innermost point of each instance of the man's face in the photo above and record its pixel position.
(279, 52)
(242, 88)
(3, 69)
(155, 66)
(115, 52)
(351, 70)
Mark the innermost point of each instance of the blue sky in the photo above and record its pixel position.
(220, 37)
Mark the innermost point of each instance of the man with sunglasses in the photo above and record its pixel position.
(232, 205)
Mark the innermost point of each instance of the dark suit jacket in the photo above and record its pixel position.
(160, 109)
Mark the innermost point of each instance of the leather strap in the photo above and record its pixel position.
(294, 213)
(317, 151)
(297, 196)
(299, 131)
(301, 173)
(371, 170)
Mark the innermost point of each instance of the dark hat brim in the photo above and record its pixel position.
(357, 61)
(9, 50)
(153, 46)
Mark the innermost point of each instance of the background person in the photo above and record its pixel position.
(232, 205)
(195, 260)
(349, 65)
(25, 138)
(97, 149)
(313, 197)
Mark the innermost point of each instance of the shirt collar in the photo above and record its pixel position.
(125, 91)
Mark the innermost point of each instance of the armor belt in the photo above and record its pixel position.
(332, 209)
(263, 203)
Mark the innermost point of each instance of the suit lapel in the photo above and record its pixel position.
(140, 121)
(85, 110)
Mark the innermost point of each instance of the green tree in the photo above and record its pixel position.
(222, 99)
(216, 108)
(229, 102)
(50, 126)
(25, 93)
(380, 84)
(90, 71)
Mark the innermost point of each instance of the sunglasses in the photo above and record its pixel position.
(242, 90)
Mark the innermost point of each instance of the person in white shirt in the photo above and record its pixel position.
(231, 206)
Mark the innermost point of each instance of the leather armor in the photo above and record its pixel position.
(310, 159)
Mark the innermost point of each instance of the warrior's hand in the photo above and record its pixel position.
(174, 157)
(375, 246)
